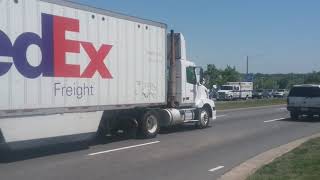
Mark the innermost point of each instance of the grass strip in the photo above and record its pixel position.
(303, 163)
(223, 105)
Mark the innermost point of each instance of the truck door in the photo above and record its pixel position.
(236, 92)
(190, 85)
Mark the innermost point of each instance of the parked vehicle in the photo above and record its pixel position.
(262, 93)
(71, 70)
(269, 93)
(281, 93)
(259, 94)
(304, 100)
(235, 90)
(213, 94)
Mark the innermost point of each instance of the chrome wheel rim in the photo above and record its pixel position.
(152, 124)
(204, 117)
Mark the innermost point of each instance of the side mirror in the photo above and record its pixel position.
(201, 76)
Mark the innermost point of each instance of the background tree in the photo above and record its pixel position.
(215, 76)
(230, 74)
(313, 78)
(212, 76)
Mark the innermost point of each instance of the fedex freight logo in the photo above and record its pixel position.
(54, 46)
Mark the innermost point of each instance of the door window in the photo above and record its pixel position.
(191, 75)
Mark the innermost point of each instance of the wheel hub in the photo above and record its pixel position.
(152, 124)
(204, 117)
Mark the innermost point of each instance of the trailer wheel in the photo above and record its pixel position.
(149, 124)
(204, 119)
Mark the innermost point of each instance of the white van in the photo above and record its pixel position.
(304, 100)
(235, 90)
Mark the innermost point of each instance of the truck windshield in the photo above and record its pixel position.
(305, 92)
(226, 88)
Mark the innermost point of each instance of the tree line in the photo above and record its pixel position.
(216, 76)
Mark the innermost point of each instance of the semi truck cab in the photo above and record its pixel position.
(187, 98)
(190, 89)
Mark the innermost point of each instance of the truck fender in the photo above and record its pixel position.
(209, 105)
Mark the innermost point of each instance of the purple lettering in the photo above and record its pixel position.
(5, 50)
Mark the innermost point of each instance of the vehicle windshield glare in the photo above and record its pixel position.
(305, 92)
(226, 88)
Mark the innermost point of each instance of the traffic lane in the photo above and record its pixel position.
(257, 108)
(115, 142)
(175, 135)
(119, 142)
(176, 145)
(255, 113)
(248, 120)
(280, 133)
(234, 151)
(196, 163)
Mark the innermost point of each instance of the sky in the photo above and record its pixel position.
(279, 36)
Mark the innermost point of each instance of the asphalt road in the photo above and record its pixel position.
(182, 153)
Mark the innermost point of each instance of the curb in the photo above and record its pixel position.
(244, 170)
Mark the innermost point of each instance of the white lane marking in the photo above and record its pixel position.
(216, 169)
(221, 116)
(273, 120)
(123, 148)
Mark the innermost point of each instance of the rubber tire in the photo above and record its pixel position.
(200, 124)
(143, 131)
(101, 133)
(294, 115)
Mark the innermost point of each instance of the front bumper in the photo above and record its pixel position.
(214, 114)
(278, 95)
(303, 110)
(224, 97)
(257, 96)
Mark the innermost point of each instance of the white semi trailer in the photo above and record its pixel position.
(71, 70)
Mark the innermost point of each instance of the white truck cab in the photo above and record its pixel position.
(190, 98)
(190, 88)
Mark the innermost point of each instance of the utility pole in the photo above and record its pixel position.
(247, 65)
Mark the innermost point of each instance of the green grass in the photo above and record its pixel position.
(249, 103)
(303, 163)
